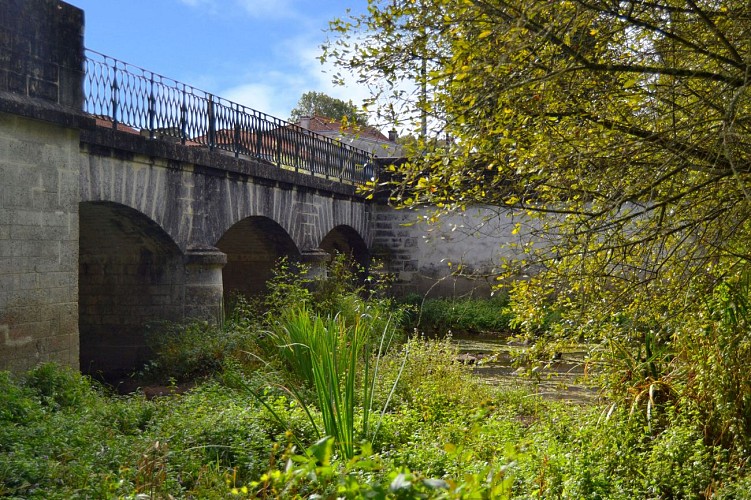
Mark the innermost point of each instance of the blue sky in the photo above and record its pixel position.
(260, 53)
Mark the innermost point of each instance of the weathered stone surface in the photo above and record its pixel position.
(38, 243)
(43, 52)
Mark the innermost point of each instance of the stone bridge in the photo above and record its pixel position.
(105, 229)
(128, 199)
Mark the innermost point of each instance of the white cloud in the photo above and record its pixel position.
(257, 9)
(321, 77)
(264, 97)
(275, 92)
(268, 8)
(275, 89)
(200, 3)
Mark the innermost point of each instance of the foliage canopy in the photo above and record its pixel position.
(624, 124)
(618, 131)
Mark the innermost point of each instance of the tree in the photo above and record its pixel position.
(319, 104)
(623, 127)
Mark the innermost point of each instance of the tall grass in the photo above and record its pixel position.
(339, 359)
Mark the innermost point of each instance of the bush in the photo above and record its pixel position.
(186, 351)
(714, 353)
(460, 316)
(58, 387)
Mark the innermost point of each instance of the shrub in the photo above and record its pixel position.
(186, 351)
(58, 387)
(16, 404)
(714, 351)
(433, 380)
(461, 315)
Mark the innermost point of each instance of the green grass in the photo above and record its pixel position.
(445, 435)
(287, 405)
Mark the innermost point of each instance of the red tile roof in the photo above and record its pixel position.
(107, 122)
(325, 126)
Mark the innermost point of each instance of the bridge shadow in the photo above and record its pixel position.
(253, 246)
(130, 273)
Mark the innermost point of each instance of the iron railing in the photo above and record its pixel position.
(136, 100)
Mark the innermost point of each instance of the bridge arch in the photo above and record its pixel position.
(253, 245)
(145, 184)
(130, 273)
(345, 240)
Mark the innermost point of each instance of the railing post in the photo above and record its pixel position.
(305, 153)
(115, 91)
(152, 108)
(237, 131)
(279, 135)
(327, 163)
(212, 123)
(183, 119)
(300, 137)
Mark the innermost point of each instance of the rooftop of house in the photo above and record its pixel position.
(367, 138)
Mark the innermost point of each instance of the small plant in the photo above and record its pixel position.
(58, 387)
(319, 473)
(333, 356)
(288, 287)
(186, 351)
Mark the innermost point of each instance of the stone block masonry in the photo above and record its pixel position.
(42, 51)
(458, 255)
(39, 187)
(394, 246)
(41, 98)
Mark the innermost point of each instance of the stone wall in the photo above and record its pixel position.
(459, 254)
(41, 100)
(38, 243)
(395, 245)
(42, 51)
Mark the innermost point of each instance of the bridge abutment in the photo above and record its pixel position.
(41, 99)
(38, 243)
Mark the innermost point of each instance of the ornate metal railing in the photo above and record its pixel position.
(136, 100)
